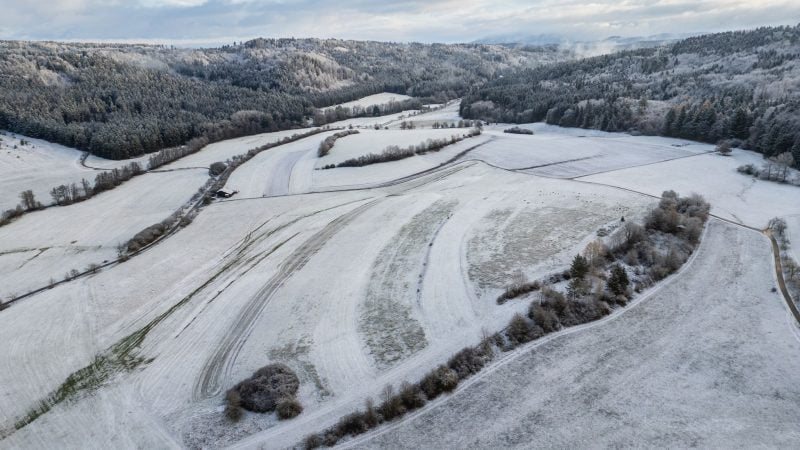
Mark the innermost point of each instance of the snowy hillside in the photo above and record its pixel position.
(360, 277)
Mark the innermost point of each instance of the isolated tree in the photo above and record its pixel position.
(579, 268)
(784, 161)
(724, 149)
(217, 168)
(29, 200)
(618, 281)
(595, 252)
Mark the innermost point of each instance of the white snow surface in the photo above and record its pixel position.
(361, 277)
(700, 362)
(732, 195)
(38, 166)
(45, 245)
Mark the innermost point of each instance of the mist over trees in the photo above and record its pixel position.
(121, 101)
(738, 86)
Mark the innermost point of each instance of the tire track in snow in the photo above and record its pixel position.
(223, 359)
(521, 351)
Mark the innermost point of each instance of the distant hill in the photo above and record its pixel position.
(119, 101)
(742, 86)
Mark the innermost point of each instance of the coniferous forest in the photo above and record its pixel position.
(736, 86)
(120, 101)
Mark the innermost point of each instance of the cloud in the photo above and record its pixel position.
(403, 20)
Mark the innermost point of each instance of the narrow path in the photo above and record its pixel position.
(776, 252)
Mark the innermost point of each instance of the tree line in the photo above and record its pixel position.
(121, 101)
(705, 88)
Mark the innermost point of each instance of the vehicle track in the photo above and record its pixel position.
(224, 357)
(520, 351)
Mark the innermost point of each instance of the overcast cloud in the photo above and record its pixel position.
(196, 22)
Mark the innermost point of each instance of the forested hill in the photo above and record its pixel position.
(743, 86)
(119, 101)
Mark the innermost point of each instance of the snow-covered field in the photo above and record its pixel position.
(374, 141)
(361, 277)
(733, 196)
(39, 166)
(569, 153)
(222, 151)
(372, 100)
(45, 245)
(708, 360)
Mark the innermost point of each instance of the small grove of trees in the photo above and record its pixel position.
(517, 130)
(67, 194)
(271, 388)
(463, 123)
(394, 153)
(217, 168)
(327, 144)
(108, 180)
(168, 155)
(335, 114)
(776, 168)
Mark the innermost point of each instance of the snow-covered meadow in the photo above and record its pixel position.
(39, 165)
(361, 277)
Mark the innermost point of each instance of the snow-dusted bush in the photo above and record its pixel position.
(518, 130)
(516, 290)
(217, 168)
(268, 386)
(469, 361)
(326, 145)
(438, 381)
(289, 408)
(233, 405)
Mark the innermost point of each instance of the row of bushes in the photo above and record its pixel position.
(326, 145)
(777, 168)
(550, 312)
(410, 396)
(168, 155)
(394, 153)
(206, 192)
(791, 268)
(73, 193)
(517, 130)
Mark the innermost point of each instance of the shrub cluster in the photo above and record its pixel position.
(217, 168)
(327, 144)
(168, 155)
(518, 130)
(270, 388)
(515, 290)
(108, 180)
(394, 153)
(409, 397)
(148, 236)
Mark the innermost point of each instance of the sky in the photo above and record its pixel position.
(210, 22)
